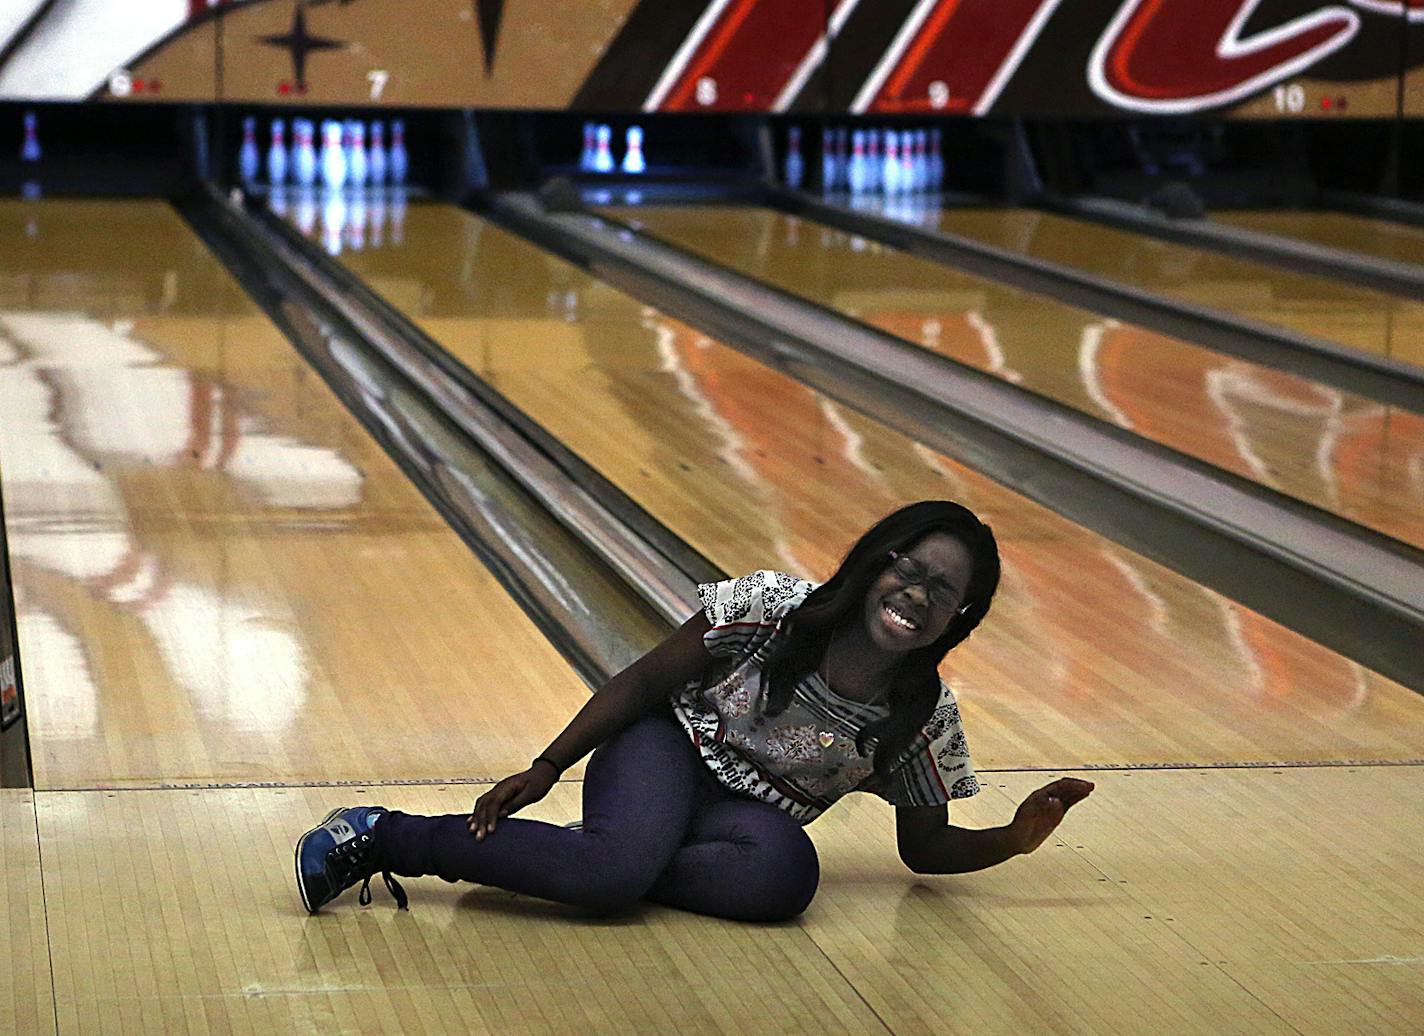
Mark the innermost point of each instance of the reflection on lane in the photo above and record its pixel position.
(86, 402)
(1381, 238)
(202, 538)
(1372, 321)
(1094, 653)
(1339, 451)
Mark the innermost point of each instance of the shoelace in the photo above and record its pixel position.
(356, 855)
(392, 886)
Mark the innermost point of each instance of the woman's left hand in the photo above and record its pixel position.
(1044, 809)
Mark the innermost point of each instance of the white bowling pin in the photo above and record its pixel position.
(856, 176)
(248, 158)
(277, 154)
(936, 161)
(30, 149)
(400, 162)
(890, 172)
(333, 156)
(795, 167)
(633, 160)
(922, 160)
(603, 152)
(842, 158)
(356, 166)
(874, 165)
(907, 162)
(828, 161)
(590, 147)
(377, 159)
(305, 159)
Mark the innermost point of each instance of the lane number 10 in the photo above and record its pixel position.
(1290, 98)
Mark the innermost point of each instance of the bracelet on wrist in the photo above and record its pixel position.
(545, 759)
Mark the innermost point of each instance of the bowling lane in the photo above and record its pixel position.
(1093, 655)
(1339, 451)
(219, 576)
(1381, 238)
(1371, 321)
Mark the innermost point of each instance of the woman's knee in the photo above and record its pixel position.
(787, 880)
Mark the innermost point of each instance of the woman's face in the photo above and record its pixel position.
(899, 615)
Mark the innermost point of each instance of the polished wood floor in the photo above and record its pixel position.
(1341, 452)
(1224, 895)
(1371, 321)
(220, 576)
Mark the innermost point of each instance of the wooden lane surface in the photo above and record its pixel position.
(220, 576)
(208, 935)
(26, 984)
(1381, 238)
(1296, 888)
(1092, 656)
(1342, 452)
(175, 911)
(1371, 321)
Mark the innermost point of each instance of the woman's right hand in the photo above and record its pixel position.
(509, 796)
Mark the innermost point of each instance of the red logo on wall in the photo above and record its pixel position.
(959, 56)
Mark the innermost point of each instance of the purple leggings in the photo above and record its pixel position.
(656, 826)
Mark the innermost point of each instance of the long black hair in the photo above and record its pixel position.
(915, 686)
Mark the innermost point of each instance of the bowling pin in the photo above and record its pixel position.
(277, 154)
(333, 156)
(603, 153)
(30, 149)
(842, 158)
(922, 157)
(590, 147)
(874, 166)
(907, 162)
(633, 161)
(890, 172)
(304, 158)
(856, 175)
(936, 161)
(248, 160)
(828, 161)
(377, 159)
(356, 166)
(400, 163)
(795, 170)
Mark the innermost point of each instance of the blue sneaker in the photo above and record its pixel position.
(338, 853)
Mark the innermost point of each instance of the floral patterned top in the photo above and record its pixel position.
(805, 759)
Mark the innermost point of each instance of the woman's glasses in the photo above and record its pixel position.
(939, 591)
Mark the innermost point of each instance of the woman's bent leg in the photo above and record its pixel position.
(638, 797)
(743, 860)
